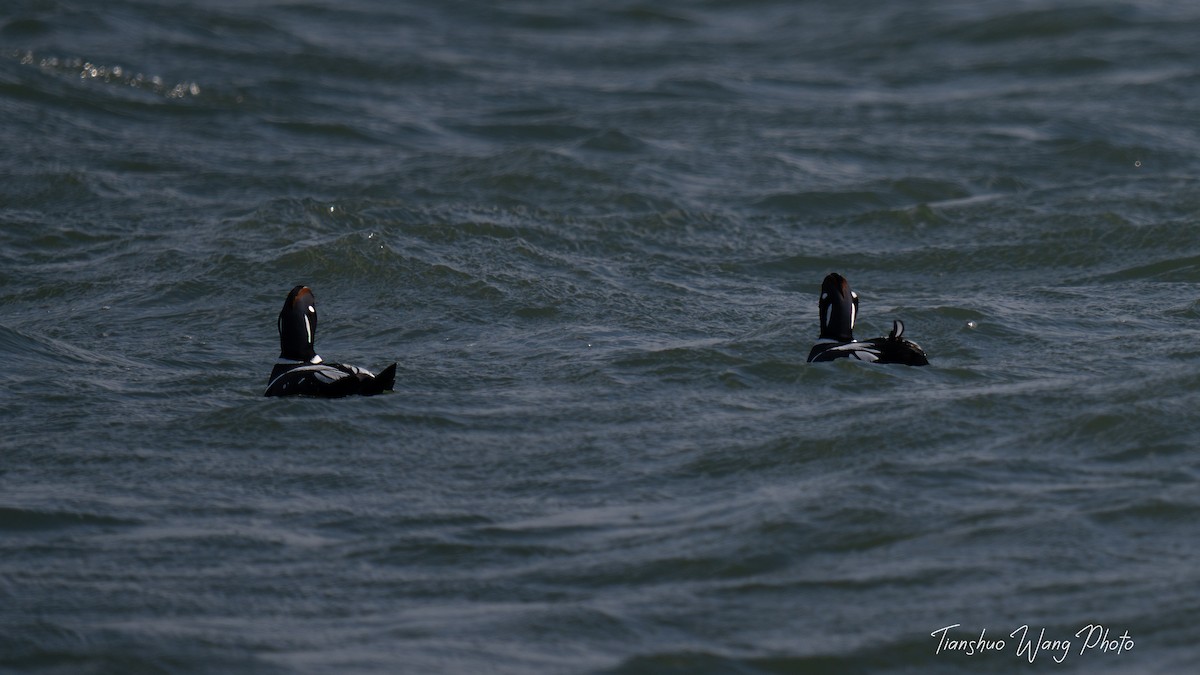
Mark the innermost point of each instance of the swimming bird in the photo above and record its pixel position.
(838, 307)
(301, 372)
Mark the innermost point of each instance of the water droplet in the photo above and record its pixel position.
(1137, 164)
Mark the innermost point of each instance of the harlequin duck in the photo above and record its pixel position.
(838, 307)
(300, 372)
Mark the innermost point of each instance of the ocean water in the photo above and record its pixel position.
(592, 234)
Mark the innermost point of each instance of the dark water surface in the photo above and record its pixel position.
(592, 234)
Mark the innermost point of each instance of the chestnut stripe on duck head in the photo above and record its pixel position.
(839, 308)
(298, 325)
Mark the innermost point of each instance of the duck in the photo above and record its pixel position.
(838, 309)
(300, 371)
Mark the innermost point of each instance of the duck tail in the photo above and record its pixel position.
(382, 382)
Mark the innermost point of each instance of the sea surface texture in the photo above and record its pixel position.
(592, 233)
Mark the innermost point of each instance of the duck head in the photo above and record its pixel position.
(839, 307)
(298, 325)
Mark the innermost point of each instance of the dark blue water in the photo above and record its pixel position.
(592, 235)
